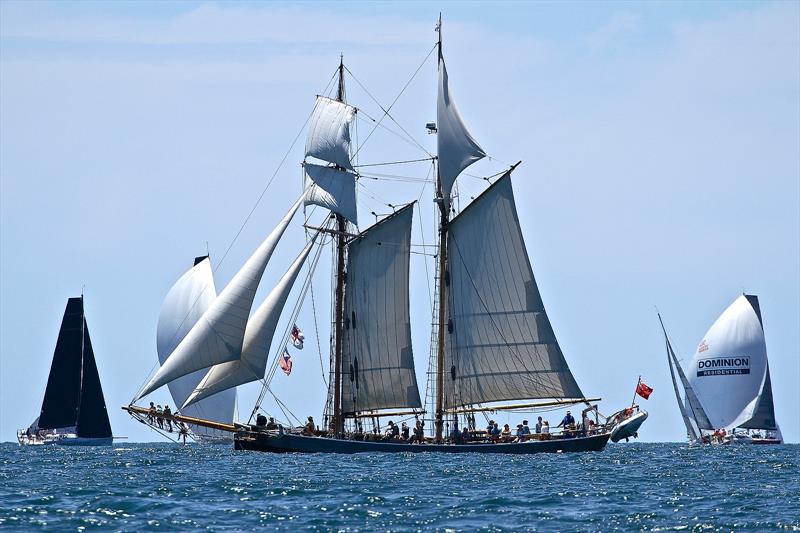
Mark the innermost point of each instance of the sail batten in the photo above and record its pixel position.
(257, 340)
(378, 361)
(499, 344)
(218, 335)
(328, 137)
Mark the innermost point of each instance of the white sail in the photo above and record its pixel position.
(377, 358)
(457, 149)
(499, 344)
(729, 371)
(332, 189)
(183, 306)
(218, 335)
(257, 340)
(328, 135)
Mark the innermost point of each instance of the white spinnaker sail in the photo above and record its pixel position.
(185, 303)
(257, 340)
(328, 135)
(377, 357)
(499, 344)
(218, 335)
(729, 371)
(332, 189)
(456, 147)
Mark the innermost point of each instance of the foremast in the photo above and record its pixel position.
(341, 226)
(444, 209)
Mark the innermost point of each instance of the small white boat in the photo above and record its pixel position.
(628, 425)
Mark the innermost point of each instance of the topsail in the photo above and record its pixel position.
(328, 135)
(456, 147)
(332, 189)
(499, 344)
(218, 335)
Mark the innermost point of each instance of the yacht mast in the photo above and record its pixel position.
(341, 226)
(444, 208)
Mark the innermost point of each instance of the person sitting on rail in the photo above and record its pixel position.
(494, 432)
(505, 435)
(310, 428)
(546, 429)
(520, 434)
(271, 424)
(392, 431)
(538, 428)
(404, 432)
(526, 430)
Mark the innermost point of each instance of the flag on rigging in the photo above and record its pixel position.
(643, 390)
(297, 337)
(286, 362)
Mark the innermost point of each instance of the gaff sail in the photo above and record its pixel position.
(218, 335)
(499, 344)
(377, 358)
(257, 340)
(729, 371)
(185, 303)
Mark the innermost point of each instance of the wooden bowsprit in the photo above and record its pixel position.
(142, 414)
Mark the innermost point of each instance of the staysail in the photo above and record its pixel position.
(332, 189)
(456, 147)
(377, 358)
(257, 340)
(328, 137)
(729, 371)
(499, 344)
(183, 306)
(74, 396)
(218, 335)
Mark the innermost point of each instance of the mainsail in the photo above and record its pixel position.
(730, 372)
(328, 135)
(456, 147)
(74, 396)
(697, 420)
(218, 335)
(257, 340)
(378, 362)
(183, 306)
(499, 343)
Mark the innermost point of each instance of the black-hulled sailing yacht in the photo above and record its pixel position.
(73, 410)
(493, 347)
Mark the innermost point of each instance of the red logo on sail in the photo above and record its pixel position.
(703, 346)
(286, 362)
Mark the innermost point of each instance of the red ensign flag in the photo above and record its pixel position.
(643, 390)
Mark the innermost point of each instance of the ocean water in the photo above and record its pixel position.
(627, 487)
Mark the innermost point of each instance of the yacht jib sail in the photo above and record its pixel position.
(73, 400)
(184, 305)
(378, 362)
(499, 342)
(218, 335)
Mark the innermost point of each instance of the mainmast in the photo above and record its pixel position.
(444, 208)
(341, 226)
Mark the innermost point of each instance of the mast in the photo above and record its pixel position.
(444, 208)
(341, 226)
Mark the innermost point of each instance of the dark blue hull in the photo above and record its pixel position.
(287, 443)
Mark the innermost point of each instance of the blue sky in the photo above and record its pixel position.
(660, 147)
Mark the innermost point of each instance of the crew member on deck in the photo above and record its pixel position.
(310, 427)
(567, 422)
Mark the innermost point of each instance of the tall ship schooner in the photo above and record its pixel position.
(492, 345)
(726, 395)
(73, 409)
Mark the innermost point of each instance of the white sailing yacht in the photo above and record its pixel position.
(727, 391)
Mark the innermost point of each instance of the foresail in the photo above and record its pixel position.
(183, 306)
(377, 358)
(93, 420)
(332, 189)
(257, 340)
(499, 344)
(328, 137)
(456, 147)
(218, 335)
(729, 368)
